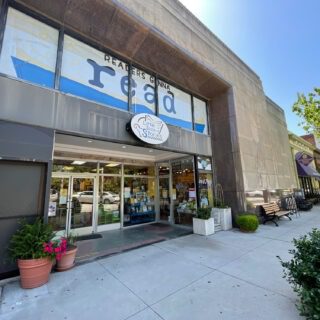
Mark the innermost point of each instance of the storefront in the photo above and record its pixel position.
(91, 193)
(306, 173)
(72, 78)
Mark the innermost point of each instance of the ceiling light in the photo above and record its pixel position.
(78, 162)
(150, 150)
(89, 141)
(112, 164)
(123, 147)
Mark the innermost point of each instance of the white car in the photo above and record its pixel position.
(110, 197)
(255, 193)
(107, 197)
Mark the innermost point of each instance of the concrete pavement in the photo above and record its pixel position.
(229, 275)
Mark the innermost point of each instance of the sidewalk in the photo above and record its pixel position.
(229, 275)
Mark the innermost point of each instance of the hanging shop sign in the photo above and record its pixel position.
(149, 128)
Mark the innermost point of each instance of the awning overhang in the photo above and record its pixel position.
(307, 171)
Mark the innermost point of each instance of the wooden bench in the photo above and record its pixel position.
(271, 211)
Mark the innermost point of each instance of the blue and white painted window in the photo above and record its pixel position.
(143, 98)
(200, 116)
(174, 106)
(29, 49)
(94, 75)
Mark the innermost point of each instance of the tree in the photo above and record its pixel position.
(308, 108)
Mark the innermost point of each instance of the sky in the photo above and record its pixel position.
(278, 39)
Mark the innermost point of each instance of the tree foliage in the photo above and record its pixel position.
(308, 108)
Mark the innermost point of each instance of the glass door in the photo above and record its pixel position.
(82, 204)
(164, 198)
(72, 203)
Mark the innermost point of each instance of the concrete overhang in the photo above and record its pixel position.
(111, 26)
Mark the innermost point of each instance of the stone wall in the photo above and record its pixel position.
(260, 124)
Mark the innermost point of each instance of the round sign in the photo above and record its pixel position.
(149, 128)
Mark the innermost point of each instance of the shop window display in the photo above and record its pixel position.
(205, 182)
(184, 193)
(138, 200)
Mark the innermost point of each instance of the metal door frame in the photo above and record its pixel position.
(158, 177)
(71, 177)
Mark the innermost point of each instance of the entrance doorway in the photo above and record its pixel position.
(164, 192)
(72, 203)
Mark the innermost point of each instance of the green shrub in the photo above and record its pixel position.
(303, 273)
(247, 222)
(203, 213)
(28, 241)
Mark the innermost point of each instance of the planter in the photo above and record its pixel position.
(222, 216)
(34, 272)
(203, 227)
(67, 260)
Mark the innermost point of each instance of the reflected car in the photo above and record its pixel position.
(110, 197)
(85, 196)
(255, 193)
(107, 197)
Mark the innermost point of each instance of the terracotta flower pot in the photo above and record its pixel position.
(67, 260)
(34, 272)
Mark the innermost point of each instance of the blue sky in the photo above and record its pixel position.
(278, 39)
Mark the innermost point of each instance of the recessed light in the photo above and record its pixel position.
(78, 162)
(123, 147)
(89, 141)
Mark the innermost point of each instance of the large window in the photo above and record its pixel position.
(29, 49)
(29, 52)
(183, 191)
(94, 75)
(174, 106)
(109, 200)
(143, 92)
(205, 185)
(139, 195)
(200, 116)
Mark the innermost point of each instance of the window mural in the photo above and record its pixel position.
(94, 75)
(200, 116)
(143, 92)
(174, 106)
(29, 50)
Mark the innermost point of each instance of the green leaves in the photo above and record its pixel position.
(27, 242)
(308, 108)
(247, 222)
(203, 213)
(303, 273)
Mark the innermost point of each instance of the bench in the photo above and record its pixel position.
(271, 211)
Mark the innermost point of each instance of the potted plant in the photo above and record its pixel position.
(247, 222)
(67, 260)
(220, 211)
(203, 223)
(34, 250)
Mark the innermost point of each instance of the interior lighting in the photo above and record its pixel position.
(112, 164)
(78, 162)
(89, 141)
(123, 147)
(150, 150)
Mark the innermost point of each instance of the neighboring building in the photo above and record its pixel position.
(316, 152)
(73, 74)
(303, 153)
